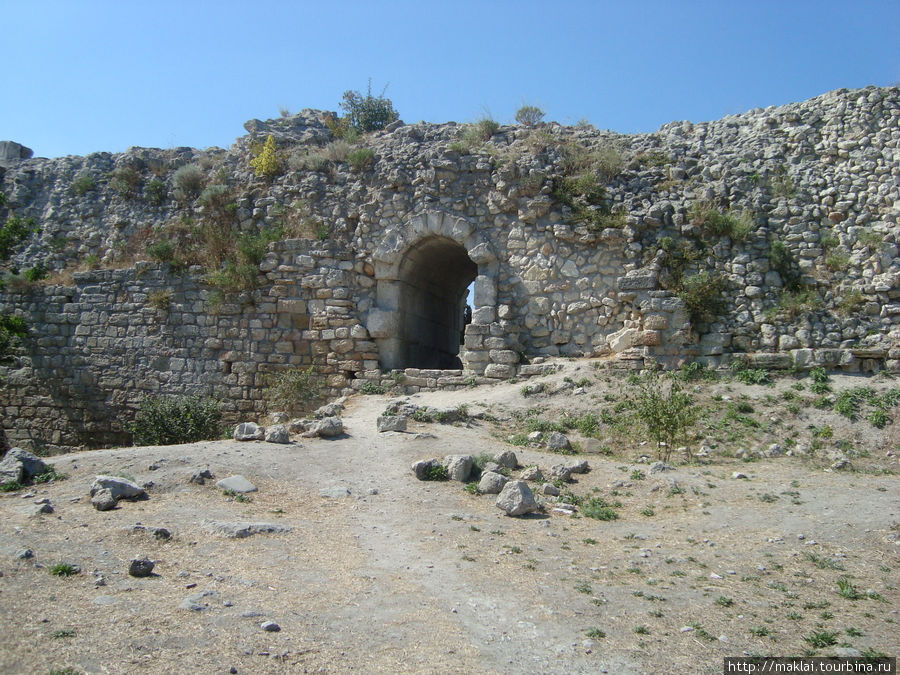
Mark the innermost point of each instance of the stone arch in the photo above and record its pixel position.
(422, 271)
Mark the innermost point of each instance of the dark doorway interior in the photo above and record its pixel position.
(434, 275)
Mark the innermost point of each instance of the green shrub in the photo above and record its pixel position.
(172, 420)
(160, 299)
(360, 159)
(529, 115)
(782, 261)
(436, 472)
(294, 391)
(484, 129)
(155, 192)
(64, 570)
(36, 273)
(125, 181)
(371, 388)
(753, 376)
(215, 197)
(82, 184)
(12, 329)
(702, 294)
(665, 410)
(14, 232)
(189, 180)
(736, 225)
(598, 509)
(850, 302)
(161, 251)
(368, 113)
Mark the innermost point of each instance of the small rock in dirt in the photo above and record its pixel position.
(270, 626)
(841, 465)
(24, 554)
(459, 467)
(329, 427)
(550, 490)
(19, 465)
(392, 423)
(157, 532)
(561, 472)
(557, 442)
(774, 450)
(248, 431)
(492, 483)
(250, 614)
(516, 498)
(687, 629)
(141, 567)
(737, 475)
(531, 473)
(41, 509)
(535, 436)
(241, 530)
(660, 467)
(236, 484)
(104, 500)
(334, 492)
(424, 468)
(201, 477)
(298, 426)
(332, 409)
(120, 488)
(847, 652)
(278, 434)
(491, 466)
(195, 602)
(578, 466)
(507, 459)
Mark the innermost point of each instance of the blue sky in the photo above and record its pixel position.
(82, 76)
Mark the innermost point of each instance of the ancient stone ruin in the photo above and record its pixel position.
(768, 237)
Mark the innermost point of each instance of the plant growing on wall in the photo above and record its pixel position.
(12, 329)
(266, 164)
(294, 391)
(529, 115)
(368, 113)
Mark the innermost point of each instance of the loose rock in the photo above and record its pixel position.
(270, 626)
(278, 434)
(459, 467)
(242, 530)
(141, 567)
(19, 465)
(557, 442)
(516, 498)
(507, 459)
(104, 500)
(236, 484)
(531, 473)
(248, 431)
(492, 483)
(392, 423)
(119, 487)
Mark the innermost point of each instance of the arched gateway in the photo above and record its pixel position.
(422, 272)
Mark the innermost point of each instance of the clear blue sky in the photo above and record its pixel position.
(81, 76)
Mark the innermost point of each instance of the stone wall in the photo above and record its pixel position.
(376, 259)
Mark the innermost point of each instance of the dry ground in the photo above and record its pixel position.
(408, 576)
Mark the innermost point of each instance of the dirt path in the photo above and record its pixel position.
(409, 576)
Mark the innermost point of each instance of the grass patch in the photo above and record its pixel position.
(64, 570)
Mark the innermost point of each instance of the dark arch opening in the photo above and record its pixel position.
(435, 275)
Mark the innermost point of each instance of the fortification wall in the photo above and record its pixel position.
(374, 258)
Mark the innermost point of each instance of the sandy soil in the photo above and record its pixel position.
(409, 576)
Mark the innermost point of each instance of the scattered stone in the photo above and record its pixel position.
(392, 423)
(516, 498)
(334, 492)
(333, 409)
(459, 467)
(242, 530)
(201, 477)
(557, 442)
(237, 484)
(507, 459)
(531, 473)
(195, 602)
(847, 652)
(157, 532)
(278, 434)
(492, 483)
(424, 467)
(104, 600)
(737, 475)
(550, 490)
(20, 465)
(104, 500)
(561, 472)
(578, 466)
(328, 427)
(119, 487)
(248, 431)
(24, 554)
(270, 626)
(841, 465)
(41, 509)
(687, 629)
(660, 467)
(774, 450)
(141, 567)
(299, 426)
(278, 418)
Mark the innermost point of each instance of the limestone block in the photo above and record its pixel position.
(622, 339)
(503, 356)
(638, 280)
(382, 324)
(499, 371)
(485, 291)
(481, 316)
